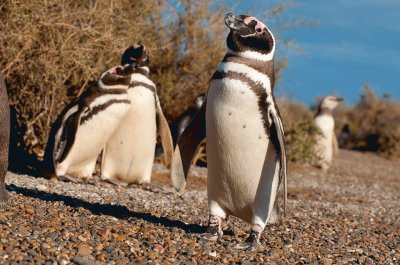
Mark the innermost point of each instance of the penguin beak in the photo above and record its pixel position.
(236, 23)
(339, 99)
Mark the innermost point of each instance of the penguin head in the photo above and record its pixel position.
(135, 55)
(248, 34)
(115, 77)
(330, 102)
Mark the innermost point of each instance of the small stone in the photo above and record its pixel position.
(84, 250)
(159, 248)
(99, 247)
(82, 261)
(42, 187)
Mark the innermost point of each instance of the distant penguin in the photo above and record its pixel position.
(129, 154)
(345, 136)
(327, 144)
(246, 151)
(85, 125)
(183, 120)
(4, 139)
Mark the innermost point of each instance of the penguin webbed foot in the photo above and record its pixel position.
(252, 242)
(67, 178)
(154, 188)
(214, 230)
(115, 182)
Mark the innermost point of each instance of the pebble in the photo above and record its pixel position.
(328, 215)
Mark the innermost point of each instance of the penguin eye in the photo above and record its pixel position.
(259, 30)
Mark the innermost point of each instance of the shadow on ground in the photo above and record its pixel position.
(117, 211)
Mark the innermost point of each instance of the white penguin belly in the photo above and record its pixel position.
(129, 154)
(236, 146)
(90, 139)
(325, 141)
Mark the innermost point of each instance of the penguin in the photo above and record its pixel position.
(182, 121)
(84, 126)
(4, 139)
(246, 152)
(129, 154)
(326, 143)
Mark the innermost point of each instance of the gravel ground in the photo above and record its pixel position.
(347, 215)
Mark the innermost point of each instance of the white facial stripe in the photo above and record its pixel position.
(145, 68)
(141, 78)
(253, 55)
(103, 86)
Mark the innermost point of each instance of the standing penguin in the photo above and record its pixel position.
(246, 152)
(327, 144)
(85, 125)
(4, 138)
(129, 154)
(182, 121)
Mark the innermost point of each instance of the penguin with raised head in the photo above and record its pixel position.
(129, 154)
(84, 126)
(327, 144)
(246, 153)
(4, 138)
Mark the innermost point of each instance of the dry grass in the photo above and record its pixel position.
(374, 124)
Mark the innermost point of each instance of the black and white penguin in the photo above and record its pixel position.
(246, 153)
(129, 154)
(327, 144)
(85, 125)
(4, 139)
(183, 120)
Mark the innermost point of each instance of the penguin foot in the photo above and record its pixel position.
(67, 178)
(115, 182)
(252, 242)
(89, 180)
(214, 229)
(155, 188)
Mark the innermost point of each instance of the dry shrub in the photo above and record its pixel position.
(300, 131)
(51, 50)
(375, 124)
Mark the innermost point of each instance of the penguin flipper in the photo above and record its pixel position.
(278, 132)
(186, 148)
(165, 134)
(68, 129)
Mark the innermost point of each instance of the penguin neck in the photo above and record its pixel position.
(324, 111)
(144, 70)
(265, 67)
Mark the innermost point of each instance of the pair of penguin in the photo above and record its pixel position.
(118, 117)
